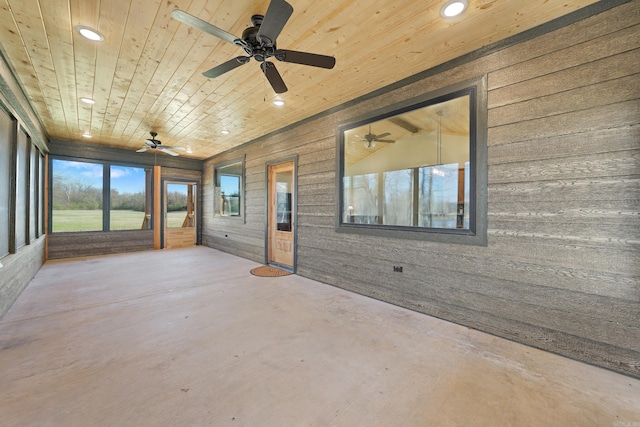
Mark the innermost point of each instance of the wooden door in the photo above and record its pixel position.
(179, 214)
(281, 215)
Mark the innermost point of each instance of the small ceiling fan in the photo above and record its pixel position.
(370, 139)
(155, 144)
(259, 43)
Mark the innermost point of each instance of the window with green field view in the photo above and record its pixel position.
(76, 196)
(129, 205)
(83, 200)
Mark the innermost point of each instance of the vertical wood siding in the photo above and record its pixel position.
(561, 270)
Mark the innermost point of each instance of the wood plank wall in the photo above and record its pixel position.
(71, 245)
(561, 270)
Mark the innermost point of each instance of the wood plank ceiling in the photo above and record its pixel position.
(147, 73)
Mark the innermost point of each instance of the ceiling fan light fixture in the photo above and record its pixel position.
(87, 100)
(89, 33)
(453, 8)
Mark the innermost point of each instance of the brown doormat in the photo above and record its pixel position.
(268, 271)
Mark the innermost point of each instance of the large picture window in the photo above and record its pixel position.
(228, 192)
(415, 171)
(89, 196)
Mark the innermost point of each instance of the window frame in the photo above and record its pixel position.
(22, 188)
(148, 197)
(242, 202)
(106, 194)
(476, 234)
(7, 231)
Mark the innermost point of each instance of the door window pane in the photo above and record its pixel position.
(284, 188)
(76, 190)
(180, 205)
(129, 201)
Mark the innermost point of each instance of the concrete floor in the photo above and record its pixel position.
(188, 337)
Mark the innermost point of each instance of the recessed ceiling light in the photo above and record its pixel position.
(86, 135)
(278, 102)
(453, 8)
(89, 33)
(87, 100)
(224, 132)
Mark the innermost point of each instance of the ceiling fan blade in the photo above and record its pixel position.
(382, 135)
(142, 150)
(277, 15)
(304, 58)
(164, 150)
(384, 140)
(186, 18)
(274, 77)
(227, 66)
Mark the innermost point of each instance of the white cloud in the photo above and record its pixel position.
(119, 172)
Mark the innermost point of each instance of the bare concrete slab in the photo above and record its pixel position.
(189, 337)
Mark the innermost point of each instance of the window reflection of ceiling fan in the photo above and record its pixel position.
(155, 144)
(371, 139)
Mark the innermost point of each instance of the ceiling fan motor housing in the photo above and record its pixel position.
(260, 48)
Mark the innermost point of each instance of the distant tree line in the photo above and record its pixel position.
(72, 194)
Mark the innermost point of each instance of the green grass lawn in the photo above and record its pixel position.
(91, 220)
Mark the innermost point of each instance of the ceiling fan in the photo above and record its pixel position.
(370, 139)
(259, 43)
(155, 144)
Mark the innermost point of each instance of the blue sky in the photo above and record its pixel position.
(124, 179)
(229, 184)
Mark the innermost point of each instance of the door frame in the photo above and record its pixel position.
(294, 203)
(198, 212)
